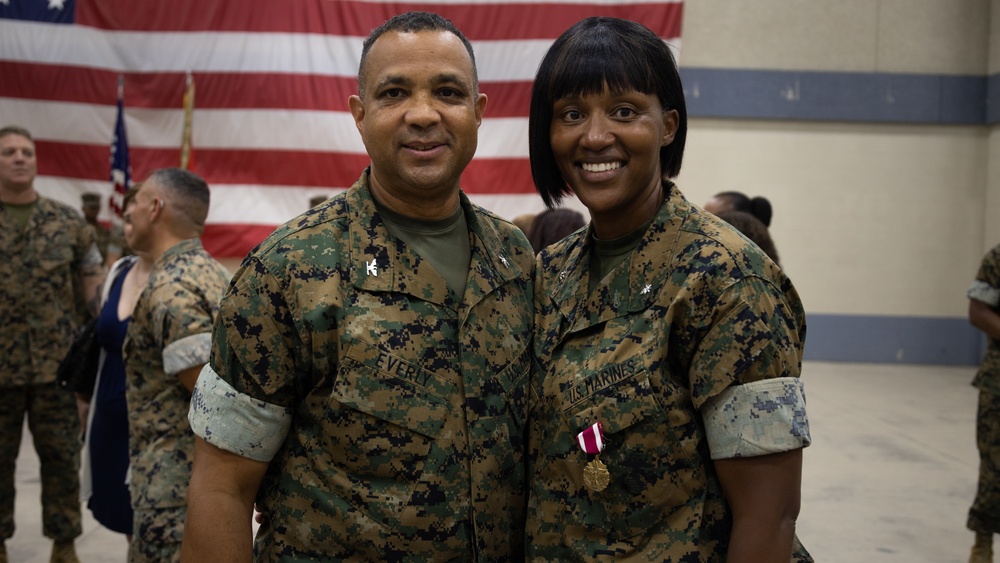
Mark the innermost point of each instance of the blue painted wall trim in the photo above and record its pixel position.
(993, 99)
(842, 96)
(902, 340)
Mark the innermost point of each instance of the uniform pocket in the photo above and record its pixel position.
(515, 380)
(379, 427)
(53, 255)
(651, 456)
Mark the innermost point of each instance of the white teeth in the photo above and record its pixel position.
(601, 166)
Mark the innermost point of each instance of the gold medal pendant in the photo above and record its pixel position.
(596, 476)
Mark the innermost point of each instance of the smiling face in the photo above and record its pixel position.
(18, 165)
(420, 117)
(607, 148)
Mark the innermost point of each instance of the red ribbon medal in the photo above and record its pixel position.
(595, 475)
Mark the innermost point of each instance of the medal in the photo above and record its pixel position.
(595, 475)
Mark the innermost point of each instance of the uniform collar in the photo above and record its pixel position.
(635, 284)
(380, 262)
(182, 247)
(43, 207)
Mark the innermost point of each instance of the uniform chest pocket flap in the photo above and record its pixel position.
(618, 406)
(637, 455)
(388, 389)
(54, 255)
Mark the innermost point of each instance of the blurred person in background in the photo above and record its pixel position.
(758, 206)
(49, 264)
(552, 225)
(167, 342)
(984, 314)
(105, 456)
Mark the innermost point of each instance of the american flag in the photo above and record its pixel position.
(121, 169)
(271, 127)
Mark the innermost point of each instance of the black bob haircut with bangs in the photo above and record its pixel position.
(598, 51)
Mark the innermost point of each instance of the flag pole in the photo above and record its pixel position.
(188, 114)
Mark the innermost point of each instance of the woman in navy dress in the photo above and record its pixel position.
(105, 456)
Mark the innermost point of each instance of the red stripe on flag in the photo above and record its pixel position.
(234, 241)
(68, 149)
(215, 90)
(478, 21)
(268, 167)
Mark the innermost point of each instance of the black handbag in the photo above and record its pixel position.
(78, 370)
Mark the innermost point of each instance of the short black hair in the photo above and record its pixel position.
(412, 22)
(594, 53)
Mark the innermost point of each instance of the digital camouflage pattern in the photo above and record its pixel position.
(694, 310)
(103, 238)
(986, 288)
(170, 331)
(406, 406)
(40, 266)
(984, 515)
(55, 429)
(157, 534)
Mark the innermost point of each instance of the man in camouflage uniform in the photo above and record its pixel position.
(368, 378)
(984, 313)
(91, 207)
(168, 342)
(48, 264)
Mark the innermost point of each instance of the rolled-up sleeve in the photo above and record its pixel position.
(982, 291)
(236, 422)
(187, 353)
(757, 418)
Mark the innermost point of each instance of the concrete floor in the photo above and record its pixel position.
(889, 478)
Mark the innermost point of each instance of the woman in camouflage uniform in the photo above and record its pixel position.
(670, 418)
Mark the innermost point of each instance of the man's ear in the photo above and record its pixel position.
(480, 108)
(357, 111)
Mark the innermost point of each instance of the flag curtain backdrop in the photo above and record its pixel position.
(271, 125)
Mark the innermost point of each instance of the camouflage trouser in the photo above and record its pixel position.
(984, 516)
(157, 535)
(55, 430)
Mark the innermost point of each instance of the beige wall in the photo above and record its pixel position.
(991, 234)
(994, 38)
(921, 36)
(870, 219)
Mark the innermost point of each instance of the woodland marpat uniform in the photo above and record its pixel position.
(40, 264)
(171, 331)
(393, 413)
(688, 351)
(986, 288)
(984, 515)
